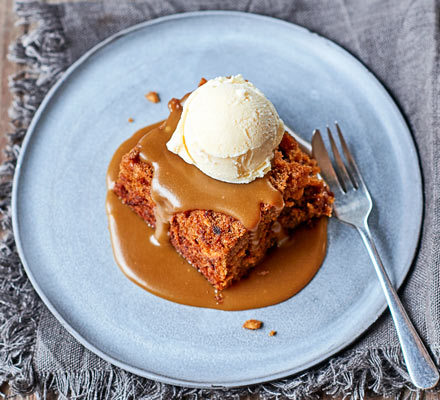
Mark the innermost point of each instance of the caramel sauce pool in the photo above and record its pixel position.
(162, 271)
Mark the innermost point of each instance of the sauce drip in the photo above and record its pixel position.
(163, 272)
(178, 186)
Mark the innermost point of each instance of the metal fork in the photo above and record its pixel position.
(353, 205)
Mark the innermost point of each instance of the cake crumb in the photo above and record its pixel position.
(153, 97)
(202, 81)
(272, 333)
(130, 120)
(263, 273)
(252, 324)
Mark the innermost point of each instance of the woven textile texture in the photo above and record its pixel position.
(399, 42)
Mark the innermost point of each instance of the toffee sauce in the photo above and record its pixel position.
(146, 256)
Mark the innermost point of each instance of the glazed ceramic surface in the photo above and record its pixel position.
(59, 195)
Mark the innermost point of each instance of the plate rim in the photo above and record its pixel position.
(160, 377)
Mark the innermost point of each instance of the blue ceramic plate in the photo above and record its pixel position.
(59, 194)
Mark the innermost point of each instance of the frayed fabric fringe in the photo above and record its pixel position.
(352, 375)
(43, 52)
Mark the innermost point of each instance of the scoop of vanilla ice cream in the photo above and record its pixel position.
(229, 130)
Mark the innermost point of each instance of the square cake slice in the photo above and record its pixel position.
(219, 245)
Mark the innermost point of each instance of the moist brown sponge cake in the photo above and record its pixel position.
(219, 245)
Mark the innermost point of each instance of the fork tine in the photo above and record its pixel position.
(320, 153)
(352, 166)
(344, 177)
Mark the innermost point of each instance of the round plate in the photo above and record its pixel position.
(59, 195)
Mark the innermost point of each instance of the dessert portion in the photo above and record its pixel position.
(232, 133)
(229, 130)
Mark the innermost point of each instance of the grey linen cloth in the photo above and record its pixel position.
(399, 42)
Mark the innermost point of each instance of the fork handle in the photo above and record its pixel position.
(421, 368)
